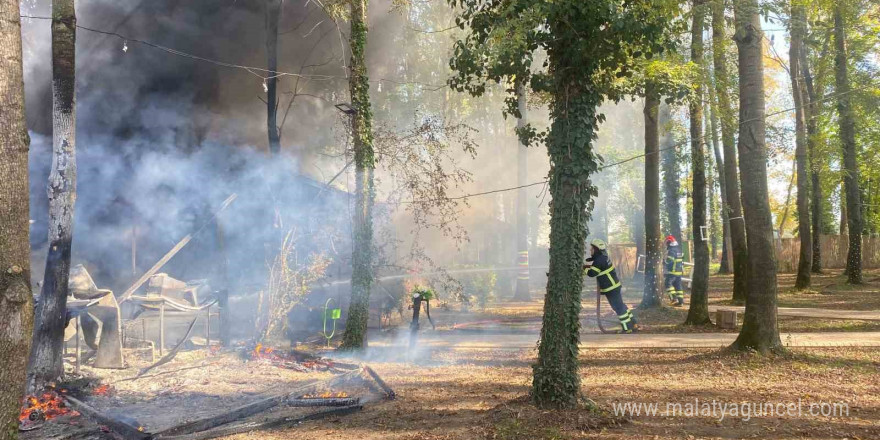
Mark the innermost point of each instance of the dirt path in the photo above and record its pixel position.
(521, 341)
(810, 312)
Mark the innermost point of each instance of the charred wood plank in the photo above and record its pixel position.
(387, 389)
(332, 401)
(126, 431)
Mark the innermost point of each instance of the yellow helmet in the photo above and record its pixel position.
(598, 244)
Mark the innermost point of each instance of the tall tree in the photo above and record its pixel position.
(759, 330)
(355, 336)
(671, 169)
(273, 14)
(16, 301)
(724, 266)
(588, 45)
(522, 214)
(738, 241)
(651, 296)
(805, 260)
(846, 119)
(813, 109)
(46, 362)
(698, 312)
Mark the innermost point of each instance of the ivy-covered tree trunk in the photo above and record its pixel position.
(16, 301)
(273, 13)
(522, 213)
(805, 263)
(813, 109)
(759, 331)
(556, 382)
(671, 183)
(574, 117)
(698, 312)
(738, 242)
(651, 296)
(724, 266)
(355, 336)
(46, 362)
(850, 151)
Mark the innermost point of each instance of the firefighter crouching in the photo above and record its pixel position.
(673, 270)
(599, 266)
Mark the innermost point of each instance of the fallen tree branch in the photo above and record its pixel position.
(126, 431)
(284, 422)
(171, 354)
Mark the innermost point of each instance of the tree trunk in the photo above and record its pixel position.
(556, 382)
(698, 313)
(273, 13)
(850, 152)
(355, 336)
(16, 301)
(671, 183)
(812, 111)
(844, 220)
(522, 214)
(783, 219)
(724, 267)
(651, 296)
(759, 331)
(805, 261)
(710, 195)
(738, 241)
(46, 362)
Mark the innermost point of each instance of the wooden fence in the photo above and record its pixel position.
(624, 257)
(833, 248)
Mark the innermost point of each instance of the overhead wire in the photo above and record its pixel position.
(259, 72)
(276, 73)
(630, 159)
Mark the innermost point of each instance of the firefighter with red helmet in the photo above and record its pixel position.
(673, 271)
(600, 267)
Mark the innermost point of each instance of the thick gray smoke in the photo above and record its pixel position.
(162, 140)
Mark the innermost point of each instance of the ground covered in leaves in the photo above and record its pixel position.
(481, 394)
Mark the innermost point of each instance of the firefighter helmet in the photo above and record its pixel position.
(598, 244)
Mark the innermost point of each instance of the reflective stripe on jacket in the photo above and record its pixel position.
(674, 262)
(603, 270)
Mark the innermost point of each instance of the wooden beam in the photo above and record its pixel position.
(126, 431)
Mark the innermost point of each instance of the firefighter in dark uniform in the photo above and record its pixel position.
(600, 267)
(673, 270)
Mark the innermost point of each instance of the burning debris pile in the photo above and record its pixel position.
(296, 360)
(206, 396)
(47, 406)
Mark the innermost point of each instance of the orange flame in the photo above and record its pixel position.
(102, 390)
(326, 395)
(48, 406)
